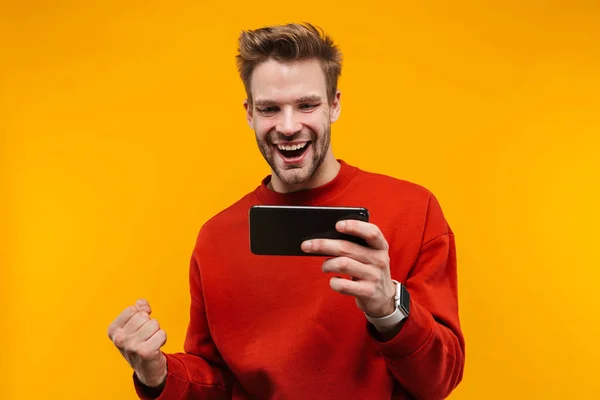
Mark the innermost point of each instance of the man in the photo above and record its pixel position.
(272, 327)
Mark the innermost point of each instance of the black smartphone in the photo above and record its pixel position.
(280, 230)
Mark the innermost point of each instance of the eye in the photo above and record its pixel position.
(307, 107)
(268, 110)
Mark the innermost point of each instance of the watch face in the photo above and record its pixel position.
(405, 299)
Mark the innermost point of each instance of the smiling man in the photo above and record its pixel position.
(368, 322)
(291, 111)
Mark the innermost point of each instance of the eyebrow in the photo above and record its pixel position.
(304, 99)
(309, 99)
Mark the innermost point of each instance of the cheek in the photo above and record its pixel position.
(315, 122)
(262, 128)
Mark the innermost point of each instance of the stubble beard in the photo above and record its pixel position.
(295, 174)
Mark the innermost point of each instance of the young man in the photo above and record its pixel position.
(272, 327)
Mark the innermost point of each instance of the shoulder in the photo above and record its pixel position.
(407, 200)
(229, 220)
(411, 203)
(393, 186)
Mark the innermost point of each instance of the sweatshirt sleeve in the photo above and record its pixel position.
(427, 356)
(199, 372)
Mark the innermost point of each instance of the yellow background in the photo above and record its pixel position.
(122, 131)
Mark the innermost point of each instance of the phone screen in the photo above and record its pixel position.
(280, 230)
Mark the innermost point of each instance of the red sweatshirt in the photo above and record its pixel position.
(270, 327)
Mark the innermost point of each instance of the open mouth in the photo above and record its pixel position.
(292, 151)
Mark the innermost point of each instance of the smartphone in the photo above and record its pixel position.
(280, 230)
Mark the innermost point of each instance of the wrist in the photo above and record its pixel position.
(386, 309)
(399, 312)
(157, 379)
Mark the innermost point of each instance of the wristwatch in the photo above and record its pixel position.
(402, 309)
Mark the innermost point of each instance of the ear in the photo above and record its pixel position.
(336, 107)
(249, 118)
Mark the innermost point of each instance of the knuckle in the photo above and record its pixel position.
(373, 276)
(381, 262)
(371, 291)
(345, 248)
(142, 353)
(343, 265)
(329, 266)
(372, 234)
(386, 259)
(145, 352)
(133, 348)
(154, 324)
(120, 339)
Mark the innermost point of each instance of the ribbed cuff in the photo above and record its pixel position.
(415, 332)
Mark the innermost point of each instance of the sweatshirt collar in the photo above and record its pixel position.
(314, 196)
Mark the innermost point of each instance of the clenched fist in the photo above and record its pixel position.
(139, 339)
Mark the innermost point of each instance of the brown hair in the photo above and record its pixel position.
(291, 42)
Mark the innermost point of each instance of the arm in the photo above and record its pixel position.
(427, 355)
(426, 351)
(199, 372)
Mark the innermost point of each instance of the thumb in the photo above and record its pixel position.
(142, 305)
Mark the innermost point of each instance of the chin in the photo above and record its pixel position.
(294, 176)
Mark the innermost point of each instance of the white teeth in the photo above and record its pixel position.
(292, 147)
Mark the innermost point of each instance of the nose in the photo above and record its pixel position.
(288, 125)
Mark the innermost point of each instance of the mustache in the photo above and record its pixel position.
(279, 137)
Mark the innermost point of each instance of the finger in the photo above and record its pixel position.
(157, 340)
(121, 320)
(136, 322)
(339, 248)
(143, 305)
(147, 330)
(359, 289)
(353, 268)
(366, 230)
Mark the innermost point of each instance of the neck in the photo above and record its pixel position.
(326, 172)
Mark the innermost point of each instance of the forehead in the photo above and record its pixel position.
(283, 82)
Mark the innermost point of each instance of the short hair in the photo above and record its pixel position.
(284, 43)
